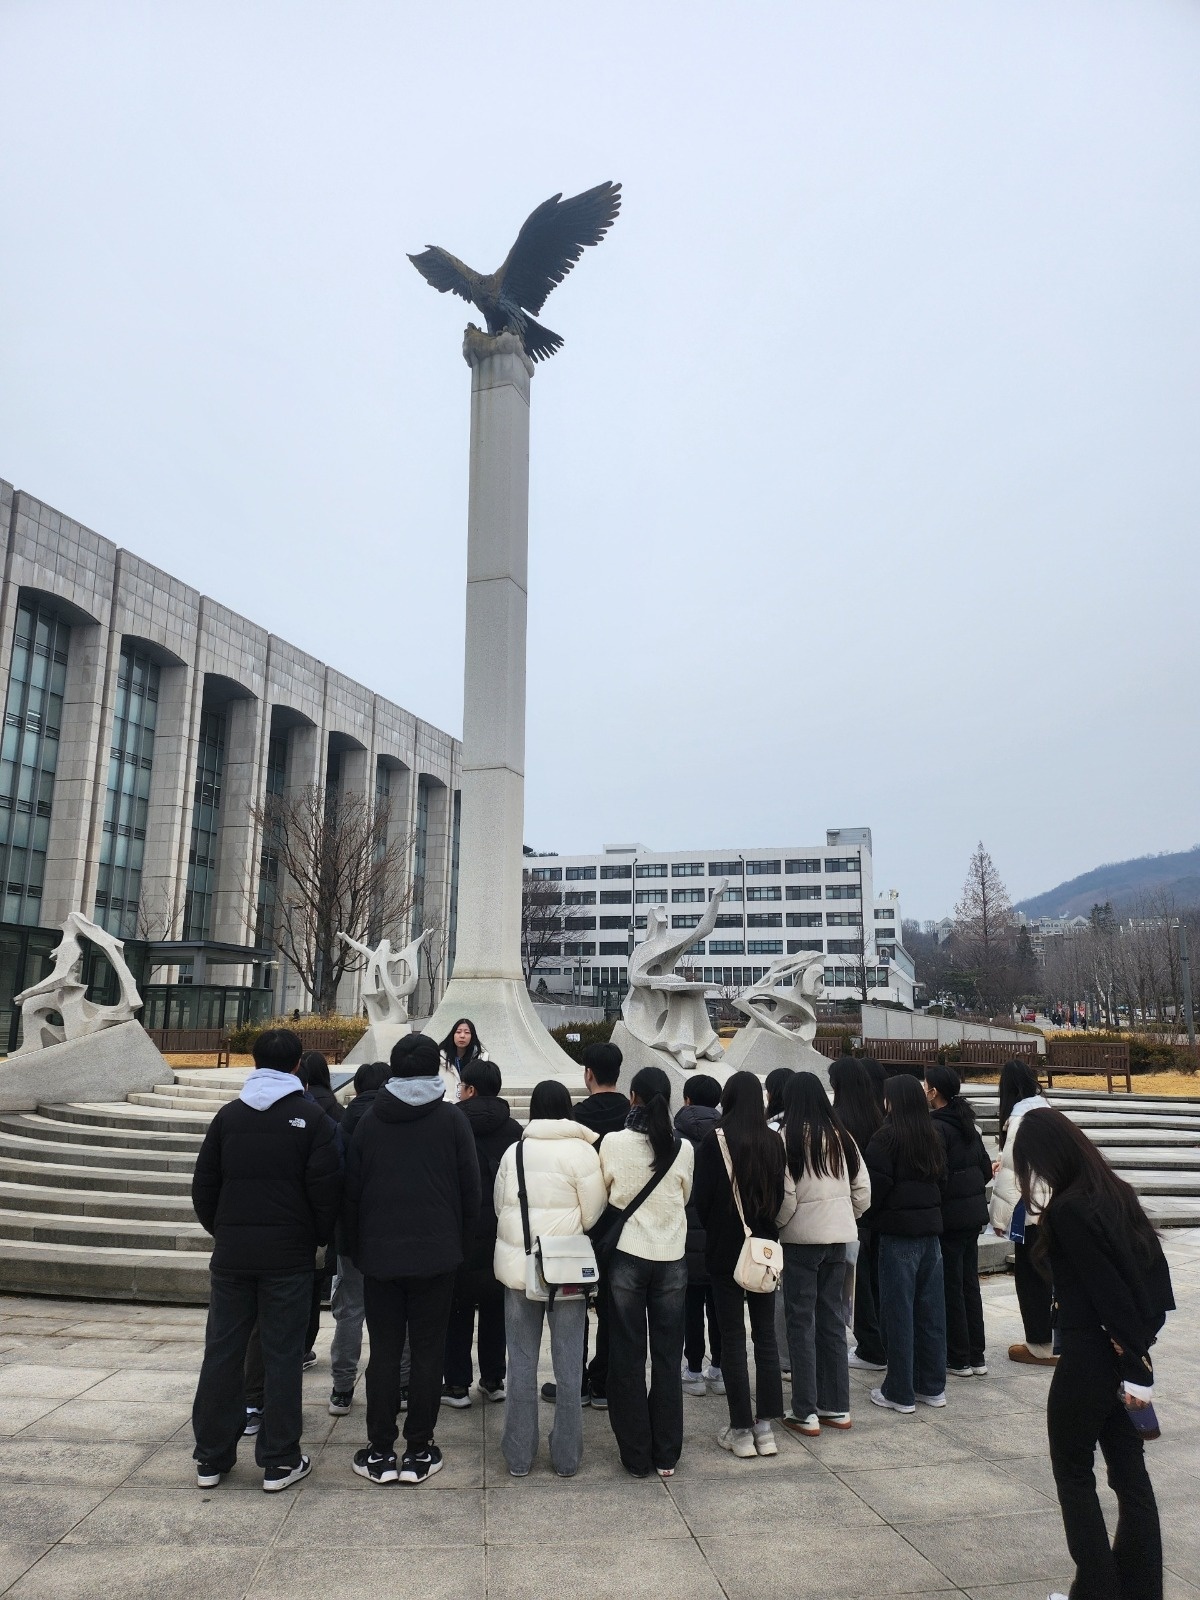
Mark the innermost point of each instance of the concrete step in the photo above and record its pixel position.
(77, 1175)
(132, 1119)
(96, 1203)
(113, 1232)
(23, 1148)
(201, 1109)
(35, 1125)
(100, 1272)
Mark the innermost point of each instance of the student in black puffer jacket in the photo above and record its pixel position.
(699, 1115)
(907, 1163)
(964, 1215)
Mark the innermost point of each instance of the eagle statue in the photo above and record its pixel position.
(550, 242)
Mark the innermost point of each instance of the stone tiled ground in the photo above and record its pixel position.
(97, 1495)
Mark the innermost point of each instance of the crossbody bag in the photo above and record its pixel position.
(554, 1264)
(760, 1261)
(606, 1233)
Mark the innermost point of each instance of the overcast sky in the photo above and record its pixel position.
(865, 489)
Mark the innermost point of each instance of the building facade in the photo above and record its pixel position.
(779, 901)
(144, 723)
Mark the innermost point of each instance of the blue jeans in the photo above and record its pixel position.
(912, 1314)
(523, 1321)
(814, 1281)
(646, 1298)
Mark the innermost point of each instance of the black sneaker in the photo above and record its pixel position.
(493, 1391)
(598, 1401)
(276, 1478)
(340, 1402)
(208, 1476)
(310, 1360)
(550, 1395)
(253, 1421)
(417, 1465)
(375, 1466)
(460, 1399)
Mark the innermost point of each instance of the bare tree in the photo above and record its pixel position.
(434, 953)
(338, 869)
(983, 929)
(543, 911)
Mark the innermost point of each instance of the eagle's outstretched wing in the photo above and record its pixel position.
(446, 272)
(552, 240)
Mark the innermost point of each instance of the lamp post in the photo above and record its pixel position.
(1186, 983)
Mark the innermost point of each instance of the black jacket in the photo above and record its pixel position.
(693, 1123)
(602, 1113)
(412, 1189)
(355, 1112)
(267, 1185)
(494, 1129)
(902, 1202)
(968, 1172)
(327, 1100)
(1100, 1285)
(713, 1200)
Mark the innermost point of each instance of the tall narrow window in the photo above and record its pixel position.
(206, 826)
(452, 941)
(29, 756)
(420, 854)
(268, 861)
(131, 759)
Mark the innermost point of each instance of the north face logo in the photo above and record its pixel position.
(297, 1122)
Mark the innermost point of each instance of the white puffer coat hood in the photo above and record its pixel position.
(1006, 1191)
(565, 1191)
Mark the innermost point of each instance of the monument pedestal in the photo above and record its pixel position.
(376, 1044)
(102, 1066)
(760, 1051)
(635, 1055)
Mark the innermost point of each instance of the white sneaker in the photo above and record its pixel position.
(740, 1441)
(714, 1380)
(878, 1398)
(980, 1371)
(1057, 1596)
(693, 1383)
(933, 1399)
(960, 1372)
(764, 1440)
(856, 1360)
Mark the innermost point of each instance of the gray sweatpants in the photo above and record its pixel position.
(523, 1321)
(346, 1302)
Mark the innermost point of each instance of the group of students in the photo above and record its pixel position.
(433, 1194)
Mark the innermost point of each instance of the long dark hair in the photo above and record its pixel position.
(813, 1136)
(653, 1089)
(775, 1082)
(314, 1069)
(915, 1140)
(550, 1100)
(1050, 1148)
(755, 1152)
(858, 1110)
(473, 1049)
(1017, 1082)
(877, 1075)
(946, 1082)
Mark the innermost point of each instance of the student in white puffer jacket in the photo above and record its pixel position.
(1019, 1095)
(566, 1196)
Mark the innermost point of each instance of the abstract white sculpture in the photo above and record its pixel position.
(664, 1011)
(767, 1003)
(384, 995)
(62, 991)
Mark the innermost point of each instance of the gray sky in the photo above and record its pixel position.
(866, 486)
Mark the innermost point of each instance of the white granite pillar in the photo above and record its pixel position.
(488, 985)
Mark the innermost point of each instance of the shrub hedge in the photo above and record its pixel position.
(588, 1033)
(348, 1029)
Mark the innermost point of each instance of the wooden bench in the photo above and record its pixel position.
(995, 1053)
(1076, 1057)
(915, 1054)
(191, 1042)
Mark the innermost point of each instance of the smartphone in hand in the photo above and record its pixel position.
(1143, 1418)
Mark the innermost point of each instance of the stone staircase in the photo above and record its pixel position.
(95, 1200)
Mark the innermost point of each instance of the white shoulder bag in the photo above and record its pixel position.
(760, 1261)
(554, 1264)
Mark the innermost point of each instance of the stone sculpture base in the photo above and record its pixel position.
(760, 1051)
(376, 1044)
(510, 1029)
(635, 1055)
(103, 1066)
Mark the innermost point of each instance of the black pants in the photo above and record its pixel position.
(700, 1304)
(475, 1289)
(966, 1342)
(595, 1371)
(396, 1308)
(731, 1302)
(279, 1305)
(254, 1355)
(646, 1298)
(868, 1337)
(1084, 1409)
(1034, 1294)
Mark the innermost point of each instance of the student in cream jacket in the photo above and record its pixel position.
(565, 1191)
(824, 1210)
(1006, 1191)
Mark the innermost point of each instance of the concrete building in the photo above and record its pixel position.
(143, 720)
(780, 900)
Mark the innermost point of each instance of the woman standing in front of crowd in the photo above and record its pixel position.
(647, 1278)
(756, 1158)
(461, 1044)
(1019, 1095)
(826, 1189)
(964, 1213)
(1112, 1292)
(858, 1110)
(907, 1164)
(564, 1196)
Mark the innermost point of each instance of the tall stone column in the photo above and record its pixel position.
(488, 985)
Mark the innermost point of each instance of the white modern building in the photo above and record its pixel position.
(779, 900)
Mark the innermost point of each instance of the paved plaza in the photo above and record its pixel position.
(97, 1494)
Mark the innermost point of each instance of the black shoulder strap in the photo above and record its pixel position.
(523, 1197)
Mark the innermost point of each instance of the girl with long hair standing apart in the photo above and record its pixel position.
(861, 1114)
(757, 1158)
(1019, 1095)
(907, 1163)
(826, 1188)
(964, 1212)
(647, 1279)
(1112, 1291)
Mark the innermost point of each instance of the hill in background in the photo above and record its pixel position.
(1123, 883)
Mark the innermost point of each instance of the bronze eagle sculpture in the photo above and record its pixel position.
(550, 242)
